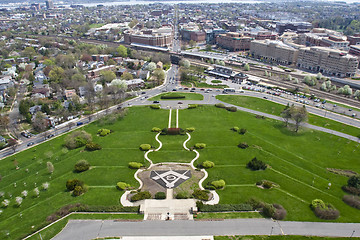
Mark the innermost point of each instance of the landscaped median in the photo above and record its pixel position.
(177, 96)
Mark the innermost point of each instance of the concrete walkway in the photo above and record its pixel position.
(90, 229)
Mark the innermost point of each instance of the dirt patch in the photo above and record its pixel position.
(342, 172)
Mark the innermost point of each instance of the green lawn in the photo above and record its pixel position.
(109, 166)
(205, 85)
(265, 106)
(296, 160)
(298, 164)
(279, 238)
(188, 96)
(96, 25)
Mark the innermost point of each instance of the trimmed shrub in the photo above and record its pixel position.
(330, 213)
(280, 212)
(135, 165)
(201, 194)
(103, 132)
(92, 146)
(82, 165)
(317, 203)
(155, 106)
(235, 129)
(122, 186)
(242, 131)
(191, 106)
(190, 129)
(160, 195)
(267, 184)
(181, 195)
(172, 96)
(78, 207)
(223, 207)
(353, 201)
(243, 145)
(231, 109)
(354, 181)
(141, 196)
(351, 190)
(256, 164)
(77, 139)
(200, 145)
(174, 131)
(208, 164)
(145, 147)
(220, 105)
(268, 210)
(78, 190)
(324, 211)
(156, 129)
(255, 203)
(72, 183)
(218, 184)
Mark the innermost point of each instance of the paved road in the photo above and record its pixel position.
(209, 98)
(90, 229)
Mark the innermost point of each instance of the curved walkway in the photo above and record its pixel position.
(124, 198)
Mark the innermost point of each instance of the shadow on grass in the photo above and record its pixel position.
(290, 129)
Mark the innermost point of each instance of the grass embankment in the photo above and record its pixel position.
(275, 109)
(187, 96)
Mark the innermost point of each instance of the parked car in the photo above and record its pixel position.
(50, 136)
(30, 144)
(79, 123)
(156, 102)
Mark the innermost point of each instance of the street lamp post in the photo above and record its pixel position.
(352, 234)
(272, 228)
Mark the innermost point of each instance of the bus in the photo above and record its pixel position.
(229, 90)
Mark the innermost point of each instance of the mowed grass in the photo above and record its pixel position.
(298, 164)
(188, 96)
(276, 108)
(298, 161)
(172, 150)
(109, 166)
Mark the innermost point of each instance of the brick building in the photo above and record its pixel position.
(273, 51)
(327, 61)
(233, 41)
(161, 37)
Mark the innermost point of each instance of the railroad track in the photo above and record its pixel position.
(288, 85)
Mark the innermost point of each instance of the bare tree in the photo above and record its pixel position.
(13, 144)
(286, 114)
